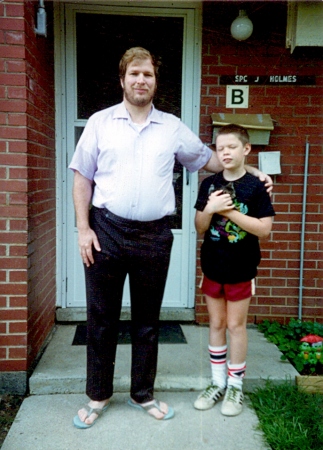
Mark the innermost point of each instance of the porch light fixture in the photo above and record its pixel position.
(41, 19)
(241, 27)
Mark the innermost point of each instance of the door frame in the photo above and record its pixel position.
(61, 99)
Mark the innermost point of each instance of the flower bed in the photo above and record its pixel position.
(306, 358)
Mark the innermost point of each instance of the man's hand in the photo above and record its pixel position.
(87, 239)
(262, 177)
(268, 182)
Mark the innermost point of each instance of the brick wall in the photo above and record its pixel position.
(27, 186)
(297, 112)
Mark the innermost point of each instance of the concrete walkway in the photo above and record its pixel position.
(57, 386)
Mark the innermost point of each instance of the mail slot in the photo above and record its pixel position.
(259, 126)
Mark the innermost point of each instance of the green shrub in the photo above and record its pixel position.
(307, 361)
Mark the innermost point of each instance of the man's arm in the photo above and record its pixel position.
(82, 194)
(213, 165)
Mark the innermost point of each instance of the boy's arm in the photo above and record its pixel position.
(202, 221)
(259, 227)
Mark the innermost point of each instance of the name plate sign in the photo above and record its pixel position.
(268, 79)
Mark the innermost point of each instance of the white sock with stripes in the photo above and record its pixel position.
(236, 374)
(218, 359)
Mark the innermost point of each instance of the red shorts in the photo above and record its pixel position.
(232, 292)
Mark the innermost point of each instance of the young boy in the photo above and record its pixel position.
(233, 210)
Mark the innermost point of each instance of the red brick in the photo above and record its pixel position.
(18, 199)
(18, 147)
(18, 250)
(14, 340)
(13, 185)
(17, 353)
(15, 11)
(17, 327)
(13, 105)
(17, 276)
(12, 211)
(18, 173)
(13, 365)
(15, 37)
(13, 263)
(9, 132)
(13, 314)
(11, 24)
(13, 289)
(18, 225)
(12, 79)
(17, 302)
(3, 116)
(17, 92)
(3, 276)
(16, 66)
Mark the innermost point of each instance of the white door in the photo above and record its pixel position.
(95, 38)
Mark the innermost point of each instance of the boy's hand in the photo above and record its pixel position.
(219, 202)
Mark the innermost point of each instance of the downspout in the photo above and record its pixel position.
(300, 298)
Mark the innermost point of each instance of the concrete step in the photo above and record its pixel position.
(181, 367)
(64, 315)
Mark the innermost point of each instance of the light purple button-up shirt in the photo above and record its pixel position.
(133, 169)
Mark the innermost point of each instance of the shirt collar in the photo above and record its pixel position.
(121, 113)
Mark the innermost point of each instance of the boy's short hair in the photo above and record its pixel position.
(133, 54)
(239, 131)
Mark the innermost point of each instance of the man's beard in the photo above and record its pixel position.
(139, 101)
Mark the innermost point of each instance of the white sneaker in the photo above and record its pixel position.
(209, 397)
(232, 403)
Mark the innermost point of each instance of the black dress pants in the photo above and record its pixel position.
(142, 250)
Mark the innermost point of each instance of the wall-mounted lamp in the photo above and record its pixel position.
(41, 19)
(241, 27)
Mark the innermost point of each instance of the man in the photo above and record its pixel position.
(123, 166)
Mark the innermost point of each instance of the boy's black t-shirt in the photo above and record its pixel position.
(228, 253)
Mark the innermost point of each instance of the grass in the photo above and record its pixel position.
(9, 406)
(290, 419)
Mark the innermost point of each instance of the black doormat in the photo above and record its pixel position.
(169, 333)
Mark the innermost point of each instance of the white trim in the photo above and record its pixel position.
(190, 117)
(196, 128)
(60, 124)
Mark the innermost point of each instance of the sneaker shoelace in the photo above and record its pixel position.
(233, 395)
(209, 391)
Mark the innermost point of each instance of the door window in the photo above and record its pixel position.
(95, 39)
(101, 40)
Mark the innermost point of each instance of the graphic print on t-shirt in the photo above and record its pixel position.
(225, 227)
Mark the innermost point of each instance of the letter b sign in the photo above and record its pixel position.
(237, 97)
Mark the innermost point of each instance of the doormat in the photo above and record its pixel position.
(169, 333)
